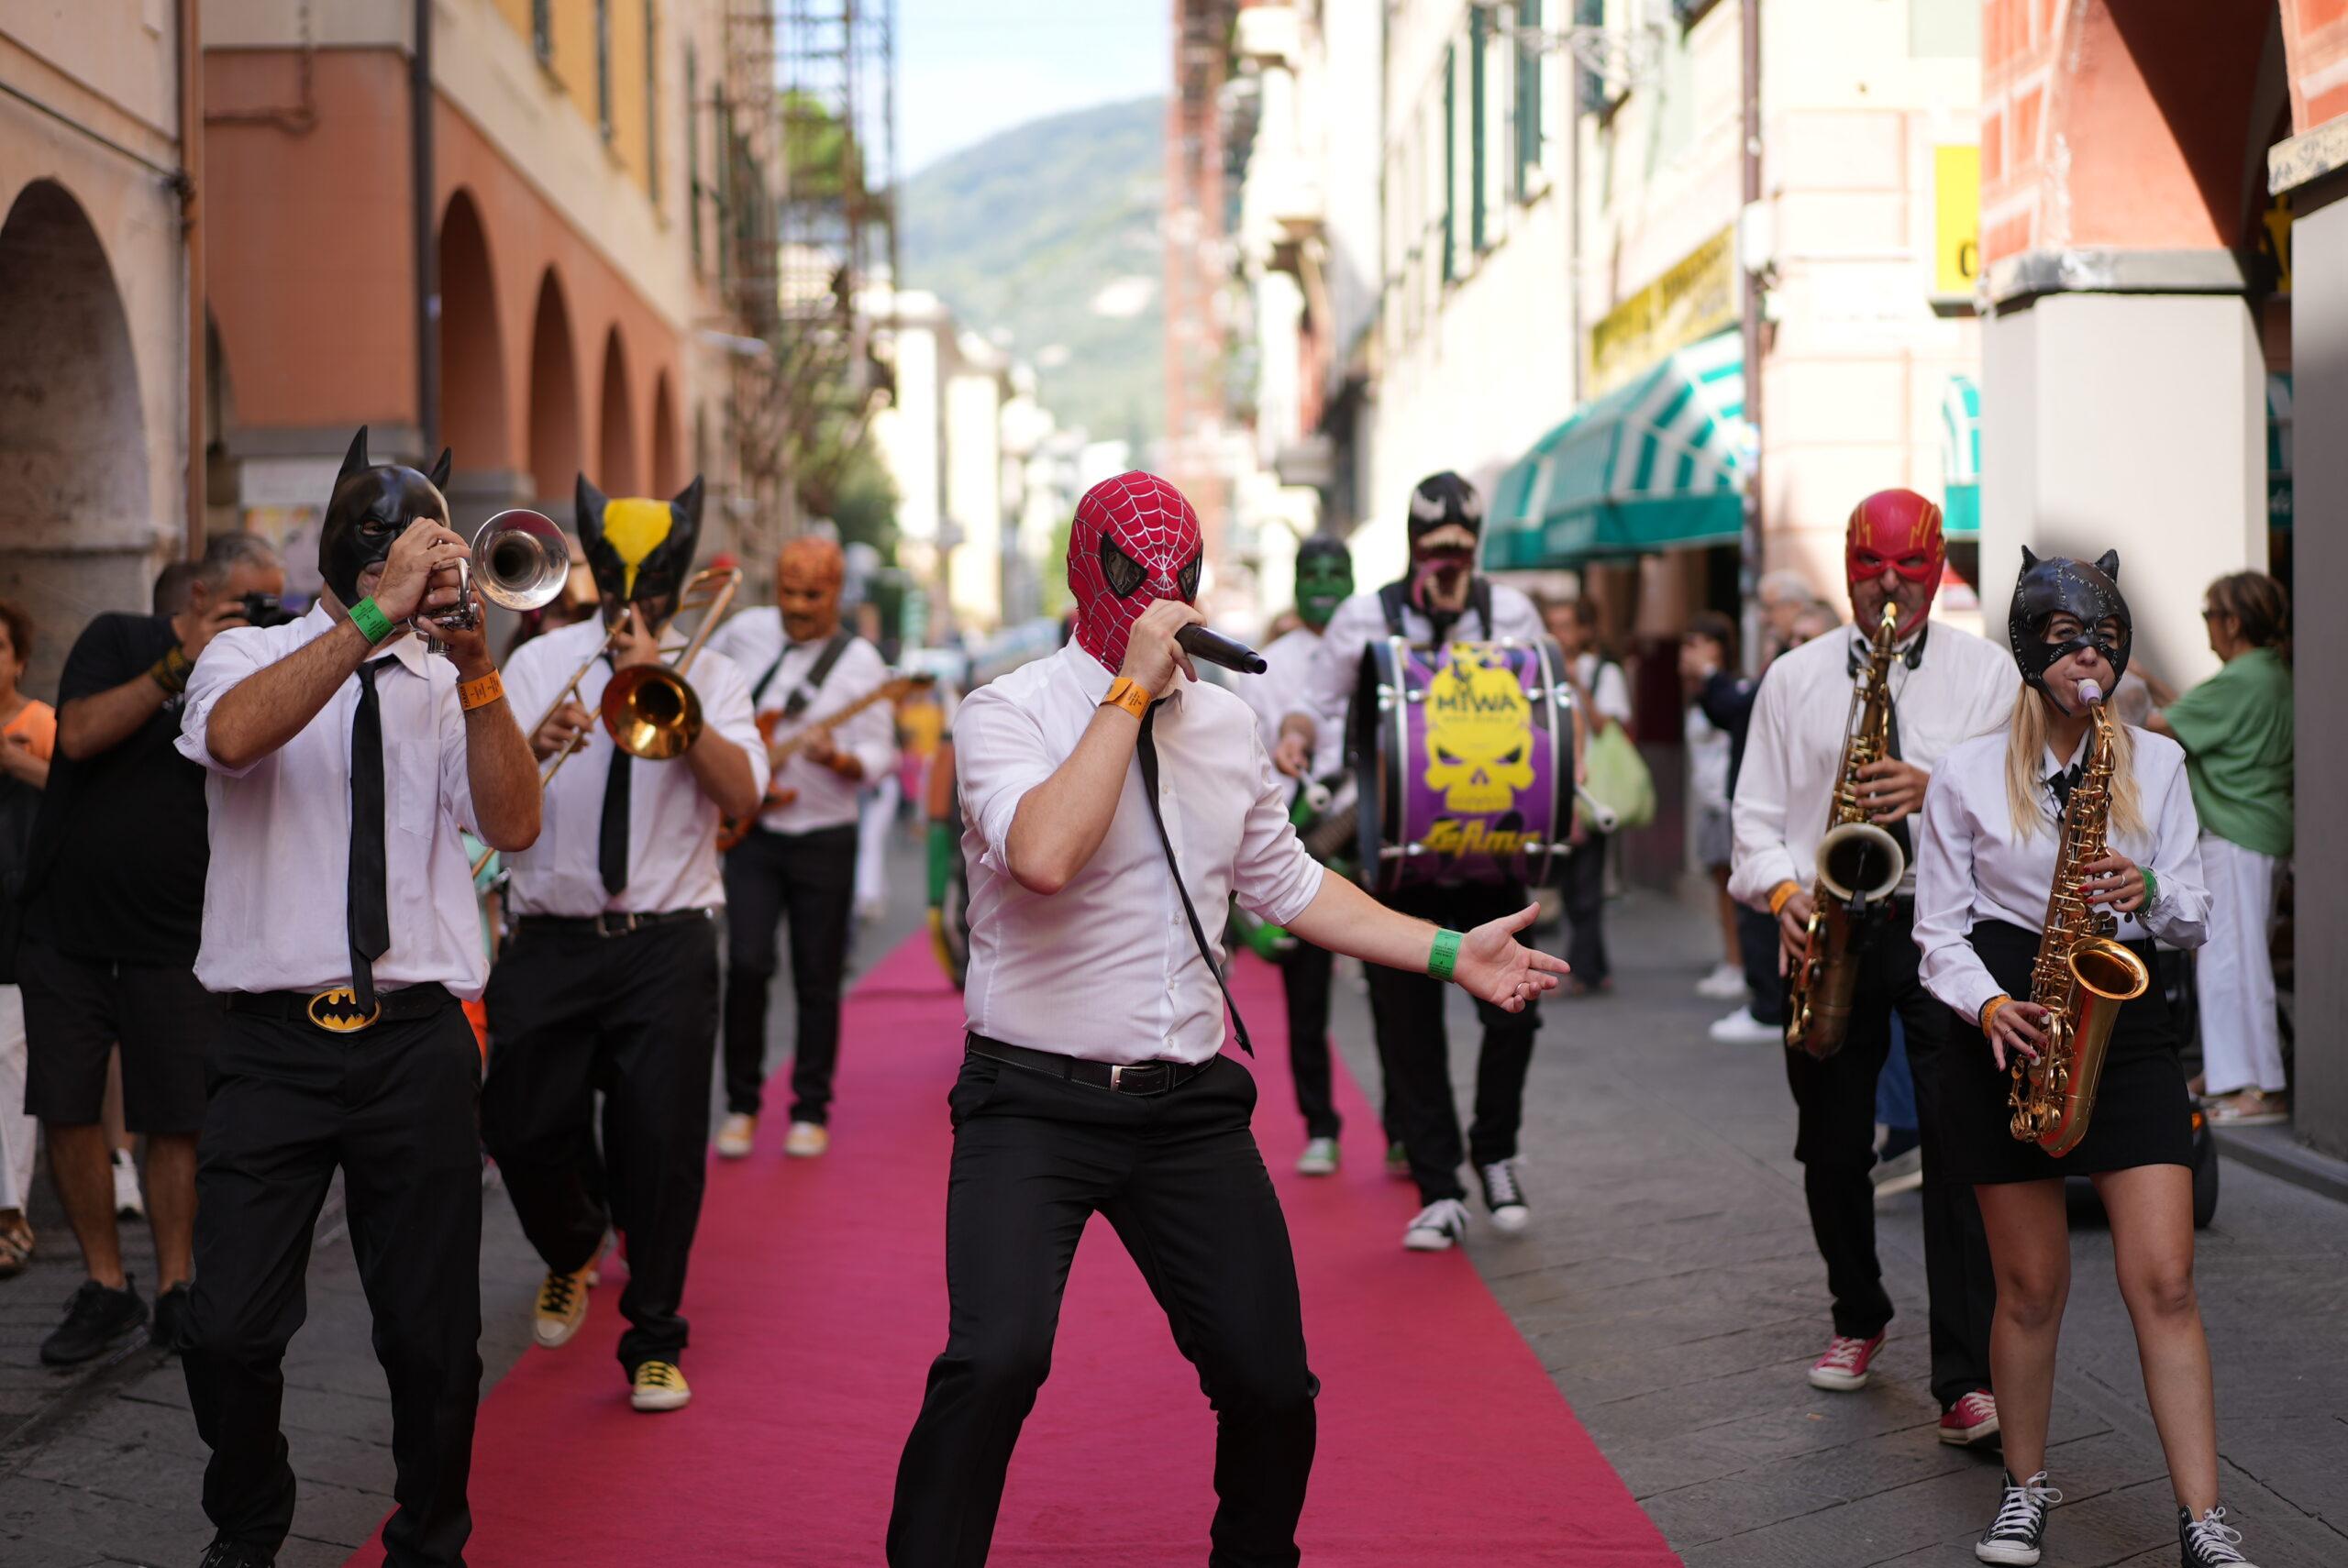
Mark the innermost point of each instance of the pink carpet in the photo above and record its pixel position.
(818, 1299)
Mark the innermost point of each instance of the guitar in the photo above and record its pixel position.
(734, 830)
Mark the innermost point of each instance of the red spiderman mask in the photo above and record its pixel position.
(1135, 541)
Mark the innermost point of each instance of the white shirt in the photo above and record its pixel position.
(1972, 867)
(1963, 687)
(276, 903)
(1280, 690)
(672, 825)
(1706, 761)
(1602, 679)
(1361, 621)
(1106, 968)
(752, 639)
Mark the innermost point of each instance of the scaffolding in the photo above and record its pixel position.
(1197, 263)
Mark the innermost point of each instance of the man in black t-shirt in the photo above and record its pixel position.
(113, 906)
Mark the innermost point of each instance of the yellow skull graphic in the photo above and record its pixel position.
(1479, 734)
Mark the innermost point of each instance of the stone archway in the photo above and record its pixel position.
(473, 362)
(615, 472)
(72, 436)
(668, 476)
(554, 400)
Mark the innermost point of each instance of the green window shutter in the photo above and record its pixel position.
(1528, 103)
(693, 155)
(604, 67)
(1591, 13)
(652, 102)
(1479, 28)
(542, 28)
(1450, 158)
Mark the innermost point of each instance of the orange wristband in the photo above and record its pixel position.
(1990, 1010)
(1781, 894)
(481, 693)
(1129, 694)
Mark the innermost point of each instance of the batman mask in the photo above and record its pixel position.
(2061, 586)
(372, 505)
(641, 551)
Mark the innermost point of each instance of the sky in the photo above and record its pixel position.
(967, 69)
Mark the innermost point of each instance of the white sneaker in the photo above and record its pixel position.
(806, 1140)
(1439, 1225)
(127, 1202)
(736, 1135)
(1726, 983)
(1320, 1157)
(1740, 1028)
(1503, 1197)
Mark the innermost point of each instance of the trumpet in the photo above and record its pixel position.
(520, 560)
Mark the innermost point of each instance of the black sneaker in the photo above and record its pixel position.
(225, 1554)
(94, 1318)
(1503, 1197)
(170, 1311)
(2015, 1534)
(2208, 1541)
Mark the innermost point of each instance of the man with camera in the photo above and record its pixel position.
(113, 906)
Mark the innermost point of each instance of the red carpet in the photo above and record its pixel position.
(818, 1299)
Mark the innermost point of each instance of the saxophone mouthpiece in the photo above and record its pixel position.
(2089, 693)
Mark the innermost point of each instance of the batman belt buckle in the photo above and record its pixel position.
(336, 1010)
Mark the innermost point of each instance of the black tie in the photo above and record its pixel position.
(611, 848)
(370, 908)
(1146, 750)
(2061, 783)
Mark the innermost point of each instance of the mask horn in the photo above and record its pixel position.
(438, 472)
(2107, 563)
(590, 514)
(2029, 560)
(687, 504)
(355, 460)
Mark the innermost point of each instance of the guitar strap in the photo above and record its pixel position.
(805, 692)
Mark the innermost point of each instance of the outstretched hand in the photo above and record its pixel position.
(1494, 966)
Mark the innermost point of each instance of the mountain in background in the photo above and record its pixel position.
(1048, 233)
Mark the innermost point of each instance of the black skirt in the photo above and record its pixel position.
(2142, 1114)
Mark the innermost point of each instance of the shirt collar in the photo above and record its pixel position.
(407, 647)
(2050, 763)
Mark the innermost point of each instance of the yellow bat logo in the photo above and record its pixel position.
(336, 1011)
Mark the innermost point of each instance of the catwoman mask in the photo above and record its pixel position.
(372, 505)
(2061, 586)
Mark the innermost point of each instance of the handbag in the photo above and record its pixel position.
(1618, 777)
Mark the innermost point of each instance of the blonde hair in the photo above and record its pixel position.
(2026, 740)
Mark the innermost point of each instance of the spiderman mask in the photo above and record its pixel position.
(1135, 541)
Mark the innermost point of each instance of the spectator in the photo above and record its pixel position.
(114, 900)
(172, 585)
(1707, 654)
(1603, 696)
(2236, 731)
(1813, 620)
(28, 737)
(1782, 595)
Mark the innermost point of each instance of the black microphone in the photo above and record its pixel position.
(1216, 648)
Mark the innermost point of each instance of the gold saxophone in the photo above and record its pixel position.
(2082, 974)
(1859, 865)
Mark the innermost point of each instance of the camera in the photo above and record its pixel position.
(264, 609)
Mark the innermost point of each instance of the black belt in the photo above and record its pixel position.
(611, 922)
(1139, 1077)
(336, 1008)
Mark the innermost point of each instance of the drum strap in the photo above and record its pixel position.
(1146, 753)
(1390, 599)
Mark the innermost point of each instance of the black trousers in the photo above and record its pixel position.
(1305, 975)
(634, 1018)
(1407, 1011)
(394, 1108)
(1756, 941)
(1581, 881)
(809, 879)
(1835, 1143)
(1180, 1178)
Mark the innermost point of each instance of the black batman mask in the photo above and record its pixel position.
(641, 551)
(372, 505)
(2061, 586)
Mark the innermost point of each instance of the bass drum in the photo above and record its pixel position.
(1465, 760)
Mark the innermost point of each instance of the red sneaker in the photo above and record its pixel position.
(1970, 1421)
(1844, 1365)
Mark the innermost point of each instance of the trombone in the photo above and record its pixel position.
(650, 710)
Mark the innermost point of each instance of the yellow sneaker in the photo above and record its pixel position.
(736, 1136)
(562, 1307)
(658, 1386)
(807, 1140)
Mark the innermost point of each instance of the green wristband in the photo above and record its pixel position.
(372, 623)
(2151, 885)
(1445, 953)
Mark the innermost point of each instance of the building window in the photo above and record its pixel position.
(1591, 13)
(1479, 34)
(604, 67)
(542, 30)
(693, 155)
(1528, 103)
(652, 102)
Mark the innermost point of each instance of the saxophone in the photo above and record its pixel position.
(1859, 865)
(2082, 974)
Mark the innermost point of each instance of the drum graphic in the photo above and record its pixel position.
(1465, 755)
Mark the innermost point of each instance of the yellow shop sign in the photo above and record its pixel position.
(1695, 298)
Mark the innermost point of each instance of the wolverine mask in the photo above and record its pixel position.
(372, 505)
(641, 551)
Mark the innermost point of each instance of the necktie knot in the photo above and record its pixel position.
(2062, 782)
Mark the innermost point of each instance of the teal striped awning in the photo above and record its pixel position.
(1961, 459)
(1656, 464)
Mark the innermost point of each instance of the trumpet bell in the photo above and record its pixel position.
(521, 560)
(652, 712)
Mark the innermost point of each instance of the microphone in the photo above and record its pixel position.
(1216, 648)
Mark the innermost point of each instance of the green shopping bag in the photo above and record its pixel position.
(1618, 777)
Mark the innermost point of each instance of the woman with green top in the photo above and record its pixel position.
(2236, 731)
